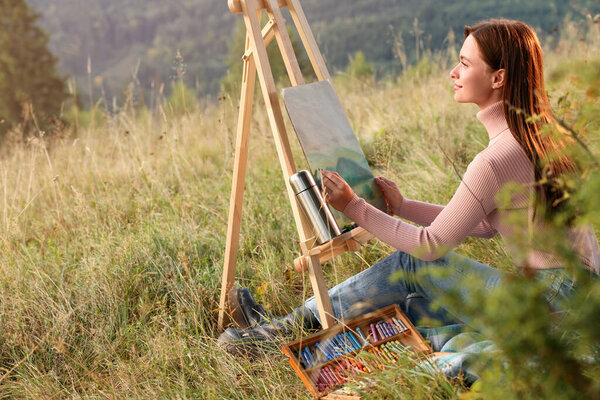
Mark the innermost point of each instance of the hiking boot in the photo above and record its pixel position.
(269, 332)
(245, 311)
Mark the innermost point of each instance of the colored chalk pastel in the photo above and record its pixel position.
(345, 343)
(397, 346)
(390, 328)
(394, 352)
(325, 377)
(377, 356)
(383, 329)
(342, 342)
(382, 334)
(400, 324)
(396, 355)
(363, 337)
(354, 365)
(332, 378)
(305, 360)
(326, 353)
(387, 330)
(349, 342)
(319, 352)
(337, 376)
(363, 367)
(312, 354)
(373, 332)
(307, 357)
(389, 354)
(354, 341)
(301, 359)
(360, 366)
(386, 356)
(337, 348)
(393, 326)
(330, 346)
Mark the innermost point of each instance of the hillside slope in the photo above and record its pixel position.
(117, 35)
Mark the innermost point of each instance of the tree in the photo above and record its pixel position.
(29, 84)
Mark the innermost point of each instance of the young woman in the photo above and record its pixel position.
(500, 69)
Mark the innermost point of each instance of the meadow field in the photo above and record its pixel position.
(113, 232)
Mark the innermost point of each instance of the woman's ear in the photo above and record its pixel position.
(499, 78)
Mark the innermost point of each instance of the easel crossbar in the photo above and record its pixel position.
(267, 34)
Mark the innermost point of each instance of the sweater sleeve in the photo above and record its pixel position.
(473, 200)
(423, 213)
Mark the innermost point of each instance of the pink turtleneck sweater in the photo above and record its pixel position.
(473, 210)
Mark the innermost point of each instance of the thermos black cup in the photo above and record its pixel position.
(309, 196)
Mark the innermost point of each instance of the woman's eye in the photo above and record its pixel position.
(463, 63)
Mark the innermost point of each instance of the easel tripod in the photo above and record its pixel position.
(256, 62)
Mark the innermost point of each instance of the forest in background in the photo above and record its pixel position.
(138, 40)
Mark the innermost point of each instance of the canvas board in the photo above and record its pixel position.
(328, 141)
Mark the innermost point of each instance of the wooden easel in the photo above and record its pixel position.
(255, 61)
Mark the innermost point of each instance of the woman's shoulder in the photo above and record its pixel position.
(505, 153)
(502, 162)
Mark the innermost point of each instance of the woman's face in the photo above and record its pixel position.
(474, 80)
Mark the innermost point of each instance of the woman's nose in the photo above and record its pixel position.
(454, 72)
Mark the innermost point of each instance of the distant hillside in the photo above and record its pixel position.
(119, 34)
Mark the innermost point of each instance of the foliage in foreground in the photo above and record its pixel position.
(112, 244)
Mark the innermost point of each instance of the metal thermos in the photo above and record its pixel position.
(309, 196)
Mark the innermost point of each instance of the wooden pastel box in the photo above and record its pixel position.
(323, 360)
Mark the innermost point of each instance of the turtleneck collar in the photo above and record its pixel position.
(492, 117)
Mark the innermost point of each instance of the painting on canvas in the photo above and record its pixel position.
(328, 141)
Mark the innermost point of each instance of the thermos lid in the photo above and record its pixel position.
(301, 181)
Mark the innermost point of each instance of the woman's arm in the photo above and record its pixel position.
(473, 200)
(424, 214)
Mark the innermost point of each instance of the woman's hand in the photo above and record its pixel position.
(391, 194)
(336, 190)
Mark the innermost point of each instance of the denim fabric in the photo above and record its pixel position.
(403, 279)
(560, 287)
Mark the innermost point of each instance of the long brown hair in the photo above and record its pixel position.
(514, 46)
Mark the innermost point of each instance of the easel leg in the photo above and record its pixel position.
(320, 290)
(237, 187)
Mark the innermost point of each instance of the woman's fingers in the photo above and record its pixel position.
(337, 192)
(391, 194)
(385, 182)
(329, 183)
(334, 178)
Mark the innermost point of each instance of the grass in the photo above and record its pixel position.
(113, 236)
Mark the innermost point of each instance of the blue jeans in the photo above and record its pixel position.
(401, 278)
